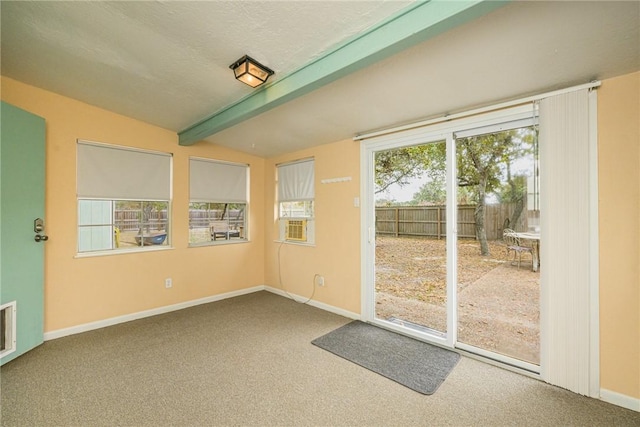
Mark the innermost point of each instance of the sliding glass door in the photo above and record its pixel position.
(410, 254)
(498, 240)
(453, 249)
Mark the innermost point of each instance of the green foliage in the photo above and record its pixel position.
(479, 161)
(489, 166)
(400, 165)
(483, 159)
(513, 190)
(432, 192)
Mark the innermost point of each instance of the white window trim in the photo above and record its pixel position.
(310, 221)
(209, 198)
(123, 251)
(234, 241)
(169, 194)
(132, 249)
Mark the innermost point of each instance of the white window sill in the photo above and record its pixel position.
(218, 243)
(122, 251)
(289, 242)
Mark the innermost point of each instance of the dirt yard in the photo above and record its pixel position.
(498, 303)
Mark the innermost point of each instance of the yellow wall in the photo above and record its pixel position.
(619, 215)
(336, 254)
(82, 290)
(337, 250)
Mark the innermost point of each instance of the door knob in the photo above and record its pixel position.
(40, 238)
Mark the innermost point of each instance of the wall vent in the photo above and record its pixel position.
(7, 328)
(295, 230)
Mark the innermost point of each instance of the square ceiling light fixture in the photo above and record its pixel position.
(250, 71)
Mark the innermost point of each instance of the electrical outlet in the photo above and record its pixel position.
(168, 283)
(319, 280)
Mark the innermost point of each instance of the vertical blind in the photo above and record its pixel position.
(215, 181)
(119, 173)
(296, 181)
(566, 319)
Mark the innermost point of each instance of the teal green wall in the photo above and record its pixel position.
(22, 190)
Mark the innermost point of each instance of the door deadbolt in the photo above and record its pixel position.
(38, 225)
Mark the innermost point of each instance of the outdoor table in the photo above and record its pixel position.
(534, 238)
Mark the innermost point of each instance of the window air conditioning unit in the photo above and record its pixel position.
(295, 230)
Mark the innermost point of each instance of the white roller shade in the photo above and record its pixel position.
(296, 181)
(212, 181)
(119, 173)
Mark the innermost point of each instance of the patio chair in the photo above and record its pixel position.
(514, 244)
(222, 229)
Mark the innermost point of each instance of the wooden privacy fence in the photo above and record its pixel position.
(430, 221)
(130, 220)
(200, 218)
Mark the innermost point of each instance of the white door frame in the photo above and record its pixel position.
(485, 123)
(368, 238)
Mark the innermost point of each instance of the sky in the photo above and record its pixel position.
(401, 194)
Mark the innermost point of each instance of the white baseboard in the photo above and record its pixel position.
(313, 303)
(620, 400)
(608, 396)
(59, 333)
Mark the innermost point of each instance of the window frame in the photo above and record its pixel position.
(116, 227)
(110, 195)
(232, 227)
(305, 189)
(234, 232)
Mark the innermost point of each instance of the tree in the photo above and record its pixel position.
(398, 166)
(514, 189)
(514, 192)
(484, 167)
(484, 163)
(477, 166)
(433, 191)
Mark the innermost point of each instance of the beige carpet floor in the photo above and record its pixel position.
(249, 361)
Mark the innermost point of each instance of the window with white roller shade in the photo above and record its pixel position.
(296, 181)
(123, 198)
(213, 181)
(296, 194)
(113, 172)
(218, 198)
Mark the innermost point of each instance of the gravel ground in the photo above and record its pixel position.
(498, 303)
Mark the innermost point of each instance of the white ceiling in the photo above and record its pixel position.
(166, 63)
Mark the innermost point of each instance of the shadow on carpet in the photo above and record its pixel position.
(415, 364)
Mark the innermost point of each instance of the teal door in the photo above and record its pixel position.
(22, 153)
